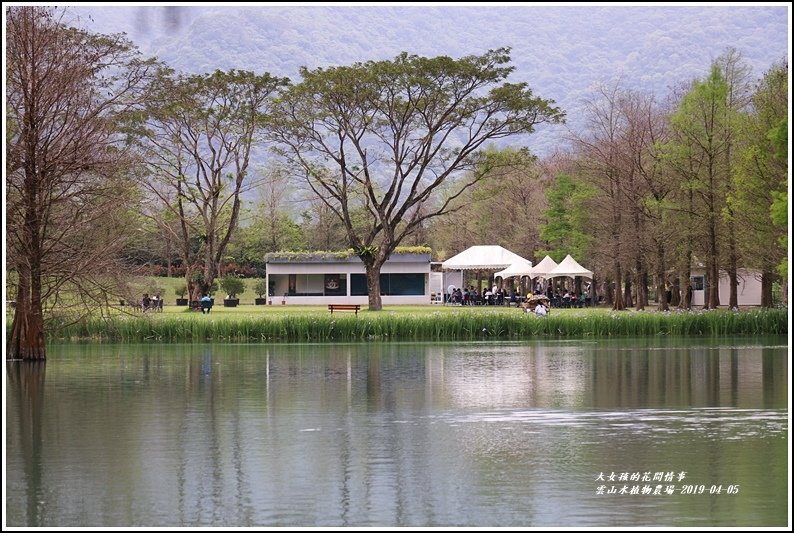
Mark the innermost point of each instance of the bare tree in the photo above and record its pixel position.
(197, 139)
(66, 180)
(648, 189)
(602, 161)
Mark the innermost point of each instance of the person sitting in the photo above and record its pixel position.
(540, 309)
(206, 304)
(146, 301)
(566, 299)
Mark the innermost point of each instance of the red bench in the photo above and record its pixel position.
(344, 307)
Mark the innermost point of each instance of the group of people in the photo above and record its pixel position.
(154, 303)
(488, 296)
(499, 296)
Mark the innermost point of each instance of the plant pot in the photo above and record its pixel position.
(181, 301)
(231, 302)
(260, 301)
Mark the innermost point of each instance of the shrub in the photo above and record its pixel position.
(260, 287)
(181, 290)
(233, 286)
(156, 290)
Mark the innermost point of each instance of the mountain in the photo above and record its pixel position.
(563, 52)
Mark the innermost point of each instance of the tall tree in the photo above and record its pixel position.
(647, 190)
(700, 130)
(737, 77)
(565, 228)
(601, 162)
(66, 164)
(758, 175)
(269, 226)
(503, 208)
(388, 136)
(321, 228)
(197, 137)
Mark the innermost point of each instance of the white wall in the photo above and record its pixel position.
(343, 268)
(439, 281)
(749, 289)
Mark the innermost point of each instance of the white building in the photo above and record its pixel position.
(441, 279)
(322, 278)
(748, 290)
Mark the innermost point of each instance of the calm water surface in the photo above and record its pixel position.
(473, 434)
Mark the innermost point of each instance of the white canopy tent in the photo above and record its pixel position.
(544, 267)
(483, 258)
(570, 268)
(522, 268)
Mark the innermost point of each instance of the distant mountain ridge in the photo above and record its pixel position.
(562, 52)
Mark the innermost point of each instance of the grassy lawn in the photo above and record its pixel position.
(259, 311)
(313, 323)
(168, 285)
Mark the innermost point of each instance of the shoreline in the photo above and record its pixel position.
(419, 326)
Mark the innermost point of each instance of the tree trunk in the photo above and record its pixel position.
(617, 298)
(766, 288)
(27, 329)
(627, 301)
(608, 293)
(661, 285)
(687, 300)
(733, 279)
(168, 257)
(373, 286)
(712, 268)
(641, 287)
(675, 301)
(714, 287)
(733, 260)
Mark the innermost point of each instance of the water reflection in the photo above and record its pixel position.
(397, 434)
(26, 383)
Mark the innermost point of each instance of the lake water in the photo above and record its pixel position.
(642, 432)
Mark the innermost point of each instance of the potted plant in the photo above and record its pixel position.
(260, 287)
(181, 291)
(233, 286)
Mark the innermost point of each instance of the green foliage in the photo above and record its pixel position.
(233, 286)
(156, 290)
(366, 253)
(760, 176)
(412, 250)
(260, 287)
(778, 136)
(181, 290)
(565, 229)
(341, 254)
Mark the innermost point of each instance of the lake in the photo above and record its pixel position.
(630, 432)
